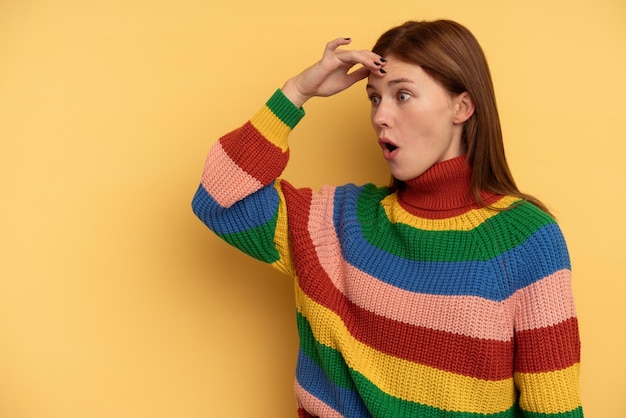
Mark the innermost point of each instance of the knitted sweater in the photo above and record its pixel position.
(417, 303)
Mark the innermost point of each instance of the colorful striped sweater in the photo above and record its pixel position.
(410, 304)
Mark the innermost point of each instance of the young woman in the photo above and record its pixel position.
(446, 294)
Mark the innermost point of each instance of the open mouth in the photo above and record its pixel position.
(390, 147)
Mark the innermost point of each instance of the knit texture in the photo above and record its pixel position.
(417, 303)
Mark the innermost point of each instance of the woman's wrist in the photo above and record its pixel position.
(291, 92)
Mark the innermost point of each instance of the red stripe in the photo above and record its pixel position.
(488, 199)
(549, 348)
(480, 358)
(246, 146)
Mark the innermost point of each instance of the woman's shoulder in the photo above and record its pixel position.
(533, 228)
(523, 214)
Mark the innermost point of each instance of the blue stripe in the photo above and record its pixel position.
(542, 254)
(255, 210)
(313, 379)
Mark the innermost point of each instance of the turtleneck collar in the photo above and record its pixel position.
(441, 191)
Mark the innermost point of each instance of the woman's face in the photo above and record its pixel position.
(417, 121)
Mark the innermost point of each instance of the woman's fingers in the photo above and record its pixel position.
(336, 43)
(373, 62)
(364, 57)
(357, 75)
(333, 73)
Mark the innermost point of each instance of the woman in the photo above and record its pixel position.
(447, 294)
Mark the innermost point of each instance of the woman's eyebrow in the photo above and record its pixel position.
(392, 82)
(400, 80)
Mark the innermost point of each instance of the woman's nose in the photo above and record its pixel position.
(381, 115)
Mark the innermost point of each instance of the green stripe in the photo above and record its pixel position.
(576, 413)
(257, 242)
(328, 359)
(377, 401)
(390, 406)
(478, 244)
(284, 109)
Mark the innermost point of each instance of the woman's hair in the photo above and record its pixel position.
(450, 54)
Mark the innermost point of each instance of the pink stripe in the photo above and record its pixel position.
(464, 315)
(546, 302)
(313, 405)
(222, 191)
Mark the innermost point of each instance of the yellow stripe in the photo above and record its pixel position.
(550, 392)
(409, 379)
(464, 222)
(271, 127)
(281, 236)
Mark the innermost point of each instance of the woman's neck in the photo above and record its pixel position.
(442, 191)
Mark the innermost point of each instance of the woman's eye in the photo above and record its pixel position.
(403, 97)
(374, 99)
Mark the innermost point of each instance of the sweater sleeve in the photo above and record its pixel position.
(547, 343)
(240, 196)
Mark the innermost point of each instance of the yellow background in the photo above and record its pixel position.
(116, 302)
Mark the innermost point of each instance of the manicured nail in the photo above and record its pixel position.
(347, 39)
(376, 63)
(382, 71)
(383, 60)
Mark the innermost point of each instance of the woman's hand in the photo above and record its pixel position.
(331, 74)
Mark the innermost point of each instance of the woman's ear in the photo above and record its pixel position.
(463, 108)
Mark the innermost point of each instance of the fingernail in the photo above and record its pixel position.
(383, 71)
(383, 60)
(376, 63)
(347, 39)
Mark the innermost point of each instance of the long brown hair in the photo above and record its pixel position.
(450, 53)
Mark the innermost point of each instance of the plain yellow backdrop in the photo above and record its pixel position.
(116, 302)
